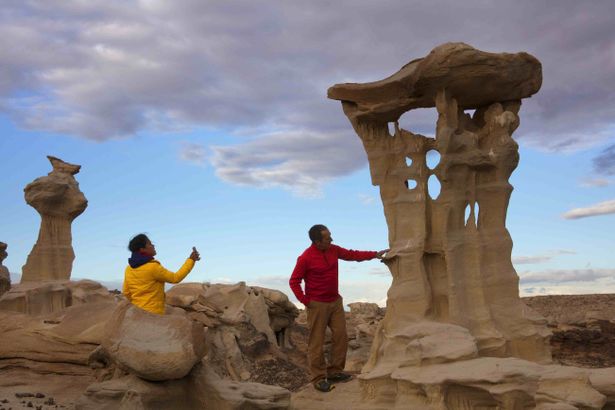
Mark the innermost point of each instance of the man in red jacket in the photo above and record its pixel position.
(317, 267)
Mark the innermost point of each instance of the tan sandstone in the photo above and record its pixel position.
(59, 201)
(5, 276)
(455, 333)
(153, 347)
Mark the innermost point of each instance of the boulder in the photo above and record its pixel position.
(153, 347)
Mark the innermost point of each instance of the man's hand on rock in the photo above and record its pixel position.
(381, 253)
(195, 255)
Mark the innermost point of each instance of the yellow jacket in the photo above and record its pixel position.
(144, 285)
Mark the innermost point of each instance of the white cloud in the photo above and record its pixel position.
(298, 161)
(566, 275)
(601, 208)
(530, 259)
(367, 199)
(194, 153)
(595, 182)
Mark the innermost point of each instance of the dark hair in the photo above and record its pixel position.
(138, 242)
(315, 232)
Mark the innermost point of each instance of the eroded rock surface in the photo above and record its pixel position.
(5, 276)
(249, 333)
(454, 303)
(153, 347)
(39, 298)
(59, 201)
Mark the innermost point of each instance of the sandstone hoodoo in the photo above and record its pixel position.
(5, 276)
(59, 201)
(455, 333)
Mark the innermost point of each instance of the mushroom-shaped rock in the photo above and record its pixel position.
(474, 78)
(59, 201)
(153, 347)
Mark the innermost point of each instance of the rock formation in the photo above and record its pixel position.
(5, 276)
(39, 298)
(75, 345)
(455, 330)
(248, 331)
(59, 201)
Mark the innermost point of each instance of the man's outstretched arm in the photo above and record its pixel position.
(358, 256)
(295, 281)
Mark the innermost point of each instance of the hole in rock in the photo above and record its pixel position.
(432, 157)
(467, 213)
(410, 183)
(392, 128)
(408, 161)
(420, 121)
(476, 211)
(433, 187)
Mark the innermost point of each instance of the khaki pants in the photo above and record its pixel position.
(319, 316)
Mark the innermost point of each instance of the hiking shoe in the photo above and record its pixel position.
(340, 378)
(323, 385)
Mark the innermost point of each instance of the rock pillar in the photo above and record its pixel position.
(450, 257)
(59, 201)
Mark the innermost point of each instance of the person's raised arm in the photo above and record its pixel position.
(163, 275)
(295, 281)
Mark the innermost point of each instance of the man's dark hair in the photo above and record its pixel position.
(315, 232)
(138, 242)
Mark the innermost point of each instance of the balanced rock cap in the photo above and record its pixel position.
(474, 78)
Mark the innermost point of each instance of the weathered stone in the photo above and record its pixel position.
(454, 297)
(59, 201)
(488, 382)
(132, 393)
(212, 392)
(39, 298)
(5, 276)
(236, 303)
(153, 347)
(475, 78)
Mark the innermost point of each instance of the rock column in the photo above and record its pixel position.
(454, 292)
(59, 201)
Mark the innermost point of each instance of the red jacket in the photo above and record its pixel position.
(319, 271)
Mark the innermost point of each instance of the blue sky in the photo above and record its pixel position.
(206, 124)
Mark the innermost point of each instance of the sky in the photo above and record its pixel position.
(206, 123)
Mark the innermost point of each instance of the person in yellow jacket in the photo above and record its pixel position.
(145, 277)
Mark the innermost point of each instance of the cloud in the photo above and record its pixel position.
(367, 199)
(194, 153)
(299, 161)
(595, 182)
(115, 69)
(566, 275)
(601, 208)
(521, 260)
(380, 271)
(605, 162)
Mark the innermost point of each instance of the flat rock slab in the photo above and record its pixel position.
(474, 78)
